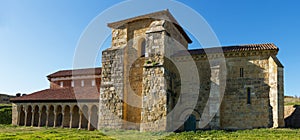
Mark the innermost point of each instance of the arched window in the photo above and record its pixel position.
(142, 47)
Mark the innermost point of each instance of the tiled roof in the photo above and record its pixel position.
(226, 49)
(164, 14)
(61, 94)
(76, 72)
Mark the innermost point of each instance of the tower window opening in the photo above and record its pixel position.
(142, 47)
(241, 72)
(248, 95)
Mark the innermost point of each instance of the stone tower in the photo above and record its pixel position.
(133, 93)
(142, 85)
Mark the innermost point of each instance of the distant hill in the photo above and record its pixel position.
(4, 98)
(291, 101)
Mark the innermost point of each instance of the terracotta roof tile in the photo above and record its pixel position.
(225, 49)
(76, 72)
(61, 94)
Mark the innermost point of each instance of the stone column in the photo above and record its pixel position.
(18, 116)
(40, 116)
(55, 117)
(47, 117)
(32, 117)
(80, 119)
(89, 121)
(62, 120)
(71, 118)
(25, 121)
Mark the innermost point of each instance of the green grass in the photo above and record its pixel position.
(13, 132)
(262, 134)
(292, 104)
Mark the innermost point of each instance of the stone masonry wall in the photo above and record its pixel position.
(280, 96)
(159, 93)
(154, 109)
(111, 90)
(133, 73)
(236, 113)
(276, 92)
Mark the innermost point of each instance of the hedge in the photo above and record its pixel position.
(5, 115)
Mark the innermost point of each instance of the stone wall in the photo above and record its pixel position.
(236, 112)
(111, 90)
(160, 95)
(280, 87)
(133, 72)
(276, 91)
(154, 109)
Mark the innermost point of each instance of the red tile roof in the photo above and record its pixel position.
(225, 49)
(61, 94)
(76, 72)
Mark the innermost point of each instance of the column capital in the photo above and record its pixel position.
(18, 109)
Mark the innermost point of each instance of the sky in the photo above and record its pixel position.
(39, 37)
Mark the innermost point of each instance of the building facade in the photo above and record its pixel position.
(141, 84)
(71, 101)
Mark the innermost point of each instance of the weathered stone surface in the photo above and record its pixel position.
(253, 95)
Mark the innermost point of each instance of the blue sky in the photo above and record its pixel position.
(38, 37)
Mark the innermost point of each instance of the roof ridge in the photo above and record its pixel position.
(80, 69)
(231, 48)
(240, 45)
(71, 72)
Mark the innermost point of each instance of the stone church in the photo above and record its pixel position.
(151, 81)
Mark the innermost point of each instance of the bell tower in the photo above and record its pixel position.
(134, 86)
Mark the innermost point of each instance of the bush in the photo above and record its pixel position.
(5, 115)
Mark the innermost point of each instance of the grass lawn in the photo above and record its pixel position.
(12, 132)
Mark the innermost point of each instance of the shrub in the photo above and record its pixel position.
(5, 115)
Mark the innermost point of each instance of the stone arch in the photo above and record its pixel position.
(75, 117)
(185, 114)
(85, 116)
(190, 123)
(22, 116)
(94, 118)
(66, 118)
(141, 47)
(36, 115)
(190, 119)
(29, 115)
(51, 116)
(59, 115)
(43, 116)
